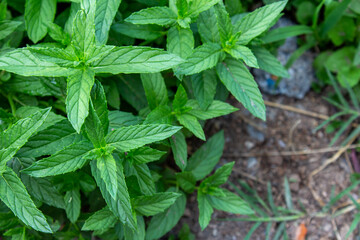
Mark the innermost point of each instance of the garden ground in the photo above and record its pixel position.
(258, 147)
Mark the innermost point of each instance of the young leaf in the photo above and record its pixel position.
(203, 161)
(245, 54)
(155, 15)
(67, 160)
(269, 63)
(106, 165)
(205, 210)
(239, 81)
(83, 37)
(18, 134)
(230, 203)
(256, 22)
(78, 96)
(120, 206)
(179, 148)
(154, 204)
(161, 223)
(155, 89)
(104, 15)
(180, 41)
(128, 138)
(220, 176)
(204, 57)
(216, 109)
(72, 204)
(58, 34)
(224, 24)
(134, 60)
(204, 85)
(186, 181)
(160, 115)
(100, 220)
(59, 56)
(191, 123)
(38, 14)
(145, 180)
(21, 61)
(207, 26)
(146, 155)
(15, 196)
(180, 98)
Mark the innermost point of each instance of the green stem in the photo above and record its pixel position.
(266, 219)
(12, 105)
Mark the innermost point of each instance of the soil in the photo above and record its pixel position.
(283, 131)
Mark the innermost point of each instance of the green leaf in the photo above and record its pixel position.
(135, 60)
(180, 41)
(161, 223)
(146, 155)
(139, 233)
(132, 91)
(146, 32)
(67, 160)
(78, 96)
(224, 24)
(72, 204)
(207, 26)
(179, 149)
(7, 27)
(230, 203)
(21, 61)
(216, 109)
(203, 161)
(333, 17)
(50, 140)
(128, 138)
(38, 14)
(100, 220)
(198, 6)
(283, 33)
(12, 139)
(204, 57)
(144, 178)
(155, 89)
(106, 165)
(160, 115)
(239, 81)
(192, 124)
(155, 15)
(83, 37)
(205, 210)
(220, 176)
(15, 196)
(154, 204)
(204, 85)
(94, 128)
(120, 206)
(62, 57)
(119, 119)
(256, 22)
(245, 54)
(269, 63)
(104, 15)
(180, 98)
(186, 181)
(98, 97)
(58, 34)
(43, 190)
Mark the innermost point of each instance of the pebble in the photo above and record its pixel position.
(301, 72)
(276, 160)
(255, 134)
(249, 145)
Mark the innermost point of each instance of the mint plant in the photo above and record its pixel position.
(94, 123)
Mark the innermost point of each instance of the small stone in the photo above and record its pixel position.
(255, 134)
(281, 143)
(214, 232)
(249, 145)
(276, 160)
